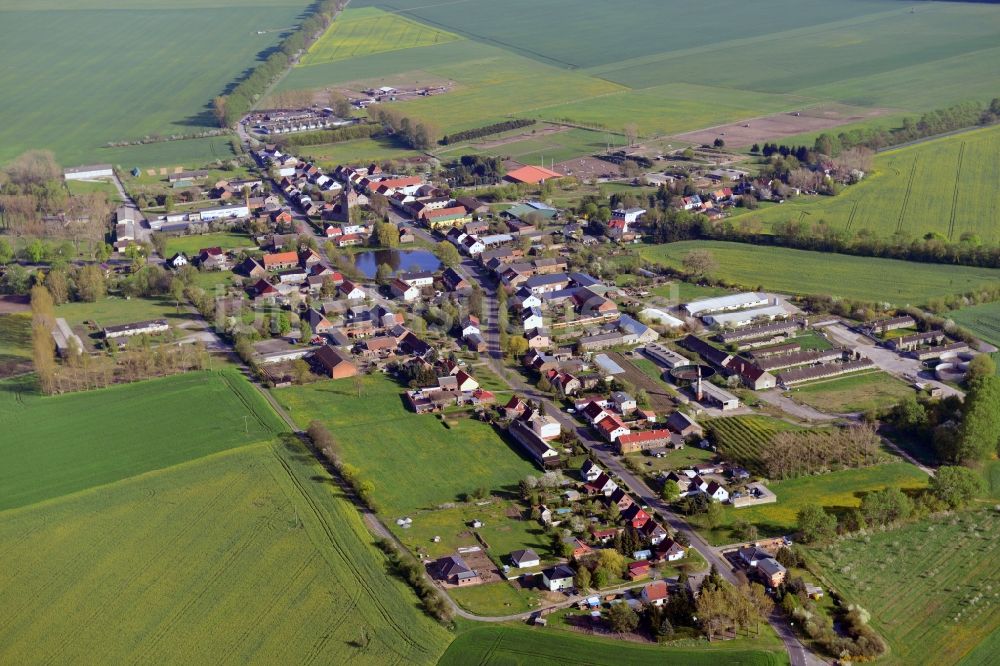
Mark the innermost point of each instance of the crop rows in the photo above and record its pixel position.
(744, 438)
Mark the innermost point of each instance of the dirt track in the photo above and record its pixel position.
(779, 125)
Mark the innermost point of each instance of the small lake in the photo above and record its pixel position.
(401, 261)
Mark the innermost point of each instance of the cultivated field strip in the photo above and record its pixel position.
(954, 196)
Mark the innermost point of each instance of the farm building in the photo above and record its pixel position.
(531, 175)
(760, 331)
(647, 439)
(726, 303)
(883, 326)
(224, 213)
(658, 316)
(808, 357)
(907, 343)
(940, 350)
(745, 317)
(664, 355)
(151, 327)
(718, 396)
(823, 371)
(89, 172)
(65, 339)
(334, 363)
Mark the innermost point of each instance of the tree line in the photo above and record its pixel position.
(479, 132)
(230, 108)
(339, 135)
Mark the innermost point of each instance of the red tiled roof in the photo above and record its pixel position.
(532, 174)
(656, 590)
(280, 258)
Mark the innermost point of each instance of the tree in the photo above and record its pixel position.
(815, 524)
(341, 105)
(622, 618)
(699, 262)
(746, 530)
(582, 579)
(713, 516)
(719, 143)
(670, 491)
(383, 274)
(886, 507)
(90, 283)
(219, 110)
(631, 133)
(159, 242)
(979, 367)
(956, 486)
(642, 398)
(386, 234)
(35, 251)
(611, 561)
(447, 253)
(58, 286)
(34, 167)
(6, 252)
(301, 370)
(980, 430)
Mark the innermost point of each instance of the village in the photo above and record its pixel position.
(613, 389)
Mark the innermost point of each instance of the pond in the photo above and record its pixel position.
(401, 261)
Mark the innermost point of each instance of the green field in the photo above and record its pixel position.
(510, 645)
(190, 245)
(57, 445)
(79, 74)
(333, 154)
(835, 491)
(248, 556)
(116, 310)
(15, 337)
(805, 272)
(78, 187)
(930, 586)
(361, 32)
(854, 393)
(983, 320)
(942, 186)
(555, 147)
(872, 53)
(415, 461)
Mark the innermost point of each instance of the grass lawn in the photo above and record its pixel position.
(415, 461)
(812, 340)
(683, 292)
(509, 644)
(15, 336)
(836, 492)
(494, 599)
(57, 445)
(806, 272)
(502, 532)
(356, 150)
(190, 245)
(108, 188)
(853, 393)
(930, 586)
(249, 555)
(114, 310)
(168, 59)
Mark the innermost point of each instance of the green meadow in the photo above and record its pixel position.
(805, 272)
(77, 75)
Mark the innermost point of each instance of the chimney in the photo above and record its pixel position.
(697, 394)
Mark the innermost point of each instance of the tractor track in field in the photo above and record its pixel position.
(331, 537)
(954, 196)
(81, 559)
(850, 218)
(231, 557)
(493, 649)
(906, 197)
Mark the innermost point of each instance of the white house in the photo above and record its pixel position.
(545, 427)
(655, 593)
(625, 403)
(418, 280)
(559, 577)
(403, 291)
(470, 326)
(532, 318)
(523, 559)
(628, 215)
(472, 246)
(590, 470)
(351, 291)
(717, 492)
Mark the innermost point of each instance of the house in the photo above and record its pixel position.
(334, 363)
(683, 424)
(654, 532)
(453, 281)
(623, 402)
(403, 291)
(533, 444)
(771, 572)
(611, 428)
(465, 382)
(454, 571)
(418, 279)
(751, 555)
(470, 326)
(717, 492)
(178, 260)
(523, 559)
(454, 216)
(637, 570)
(250, 268)
(531, 318)
(212, 259)
(655, 593)
(280, 260)
(670, 550)
(515, 408)
(577, 548)
(590, 470)
(351, 291)
(559, 577)
(644, 440)
(263, 290)
(538, 338)
(602, 486)
(317, 322)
